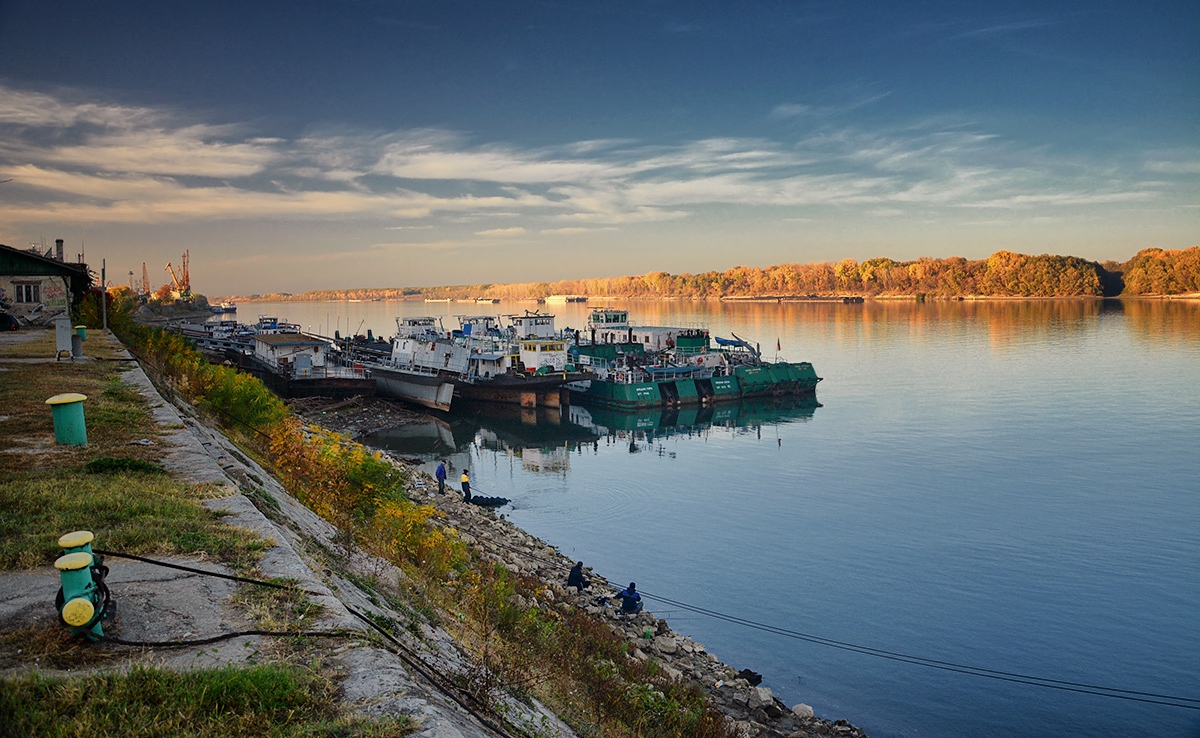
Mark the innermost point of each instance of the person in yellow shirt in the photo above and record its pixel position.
(466, 486)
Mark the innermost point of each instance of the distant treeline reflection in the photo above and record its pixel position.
(1003, 274)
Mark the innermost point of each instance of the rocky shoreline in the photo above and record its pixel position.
(754, 709)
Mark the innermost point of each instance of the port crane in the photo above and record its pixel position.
(182, 285)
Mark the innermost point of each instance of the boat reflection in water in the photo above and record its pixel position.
(543, 438)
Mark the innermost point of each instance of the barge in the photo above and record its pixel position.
(651, 366)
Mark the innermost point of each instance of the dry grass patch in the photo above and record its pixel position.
(40, 343)
(115, 414)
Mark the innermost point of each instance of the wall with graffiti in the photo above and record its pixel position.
(34, 300)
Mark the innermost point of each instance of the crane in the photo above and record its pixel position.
(174, 278)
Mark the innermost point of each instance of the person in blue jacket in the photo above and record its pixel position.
(440, 475)
(631, 601)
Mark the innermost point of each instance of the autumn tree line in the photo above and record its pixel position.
(1003, 274)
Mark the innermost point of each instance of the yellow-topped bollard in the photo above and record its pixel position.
(79, 596)
(80, 540)
(81, 331)
(67, 410)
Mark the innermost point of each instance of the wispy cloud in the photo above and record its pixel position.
(80, 161)
(502, 232)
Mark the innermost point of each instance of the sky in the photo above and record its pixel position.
(291, 146)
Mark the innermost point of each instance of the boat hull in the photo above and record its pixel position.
(430, 391)
(768, 380)
(528, 391)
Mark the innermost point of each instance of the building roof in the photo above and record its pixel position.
(289, 339)
(19, 263)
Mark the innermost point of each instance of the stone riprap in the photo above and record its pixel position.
(754, 709)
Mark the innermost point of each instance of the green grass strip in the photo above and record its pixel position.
(145, 701)
(129, 512)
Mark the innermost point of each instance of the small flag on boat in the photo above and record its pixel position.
(776, 343)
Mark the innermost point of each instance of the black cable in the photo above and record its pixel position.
(203, 572)
(1026, 679)
(1035, 681)
(227, 636)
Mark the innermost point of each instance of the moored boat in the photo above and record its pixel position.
(421, 366)
(653, 366)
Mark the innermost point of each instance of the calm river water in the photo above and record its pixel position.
(1006, 485)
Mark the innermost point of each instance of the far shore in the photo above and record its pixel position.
(771, 299)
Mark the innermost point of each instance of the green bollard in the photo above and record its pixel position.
(79, 594)
(69, 428)
(82, 331)
(80, 540)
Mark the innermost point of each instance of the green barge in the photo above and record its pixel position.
(647, 366)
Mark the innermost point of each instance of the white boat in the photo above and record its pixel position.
(422, 364)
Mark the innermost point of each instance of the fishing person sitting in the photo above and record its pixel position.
(576, 579)
(631, 601)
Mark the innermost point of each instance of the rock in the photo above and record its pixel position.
(761, 696)
(665, 644)
(675, 674)
(802, 711)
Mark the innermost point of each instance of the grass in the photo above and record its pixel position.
(45, 492)
(256, 701)
(114, 414)
(129, 512)
(39, 343)
(115, 487)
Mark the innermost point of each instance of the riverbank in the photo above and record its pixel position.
(376, 675)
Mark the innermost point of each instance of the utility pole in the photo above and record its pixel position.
(103, 295)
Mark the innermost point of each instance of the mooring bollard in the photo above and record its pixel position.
(74, 542)
(67, 410)
(82, 331)
(80, 603)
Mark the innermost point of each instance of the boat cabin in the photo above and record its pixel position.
(536, 353)
(487, 365)
(479, 326)
(291, 353)
(268, 324)
(425, 327)
(533, 325)
(438, 356)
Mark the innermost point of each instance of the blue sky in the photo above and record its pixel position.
(308, 145)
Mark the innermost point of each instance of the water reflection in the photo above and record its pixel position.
(545, 437)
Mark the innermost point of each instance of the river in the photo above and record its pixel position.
(1010, 485)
